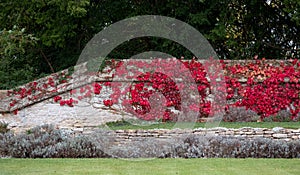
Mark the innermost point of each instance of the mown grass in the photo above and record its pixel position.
(149, 167)
(169, 125)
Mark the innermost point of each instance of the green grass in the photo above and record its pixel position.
(169, 125)
(149, 167)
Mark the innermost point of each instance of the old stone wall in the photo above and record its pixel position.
(64, 81)
(33, 104)
(123, 136)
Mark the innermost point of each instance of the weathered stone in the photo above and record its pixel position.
(268, 132)
(229, 133)
(296, 131)
(249, 132)
(259, 132)
(258, 129)
(268, 135)
(210, 133)
(277, 129)
(279, 136)
(246, 128)
(78, 125)
(199, 133)
(78, 129)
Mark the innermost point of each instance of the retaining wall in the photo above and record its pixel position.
(249, 133)
(80, 78)
(277, 133)
(37, 107)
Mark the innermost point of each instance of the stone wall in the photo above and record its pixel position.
(79, 78)
(123, 136)
(38, 107)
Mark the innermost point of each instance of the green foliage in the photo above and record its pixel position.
(50, 34)
(43, 38)
(15, 67)
(248, 28)
(292, 8)
(236, 29)
(53, 21)
(13, 42)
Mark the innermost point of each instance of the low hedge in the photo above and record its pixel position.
(47, 142)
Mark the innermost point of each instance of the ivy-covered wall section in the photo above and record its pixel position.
(255, 90)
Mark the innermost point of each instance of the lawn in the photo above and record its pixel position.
(169, 125)
(153, 166)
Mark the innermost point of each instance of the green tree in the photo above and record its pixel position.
(237, 29)
(54, 23)
(15, 68)
(263, 28)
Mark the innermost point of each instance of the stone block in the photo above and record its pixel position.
(277, 129)
(259, 133)
(296, 131)
(269, 132)
(249, 132)
(229, 133)
(78, 125)
(78, 130)
(268, 135)
(279, 136)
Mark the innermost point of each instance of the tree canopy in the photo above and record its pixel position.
(38, 37)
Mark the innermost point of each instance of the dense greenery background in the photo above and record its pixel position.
(38, 37)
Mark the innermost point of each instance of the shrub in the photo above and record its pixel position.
(232, 147)
(143, 148)
(240, 114)
(282, 116)
(46, 142)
